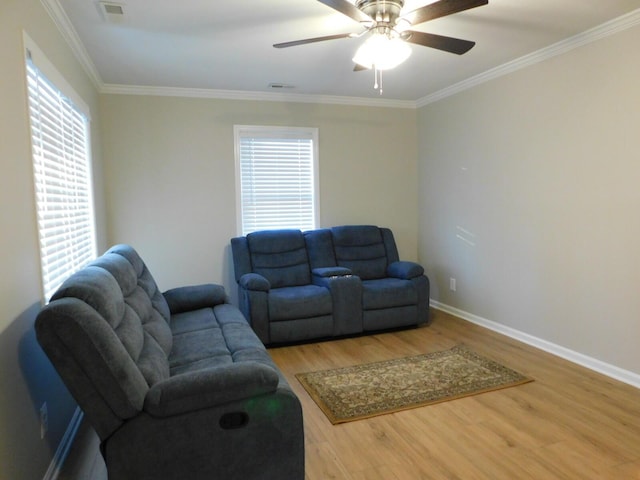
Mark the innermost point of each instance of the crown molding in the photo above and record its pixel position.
(256, 96)
(606, 29)
(69, 33)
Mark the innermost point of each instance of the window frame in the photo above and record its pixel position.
(264, 131)
(75, 163)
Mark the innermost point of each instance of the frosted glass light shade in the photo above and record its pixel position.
(382, 52)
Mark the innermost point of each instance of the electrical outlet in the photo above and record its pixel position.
(452, 284)
(44, 420)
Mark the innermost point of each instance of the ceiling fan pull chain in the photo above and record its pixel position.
(377, 79)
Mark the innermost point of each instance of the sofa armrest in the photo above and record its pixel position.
(184, 299)
(254, 281)
(325, 272)
(205, 388)
(405, 270)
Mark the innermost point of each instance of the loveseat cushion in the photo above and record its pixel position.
(361, 249)
(387, 293)
(280, 256)
(320, 248)
(290, 303)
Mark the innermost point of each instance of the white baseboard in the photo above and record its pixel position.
(609, 370)
(63, 448)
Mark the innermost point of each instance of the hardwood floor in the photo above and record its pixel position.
(570, 423)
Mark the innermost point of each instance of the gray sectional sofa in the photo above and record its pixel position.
(177, 385)
(296, 286)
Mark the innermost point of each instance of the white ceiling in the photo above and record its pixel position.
(227, 45)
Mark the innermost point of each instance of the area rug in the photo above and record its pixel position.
(362, 391)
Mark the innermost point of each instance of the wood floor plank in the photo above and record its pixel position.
(627, 471)
(570, 423)
(382, 473)
(323, 463)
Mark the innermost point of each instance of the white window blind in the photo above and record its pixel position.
(61, 165)
(277, 170)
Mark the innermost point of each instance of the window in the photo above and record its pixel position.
(62, 178)
(276, 171)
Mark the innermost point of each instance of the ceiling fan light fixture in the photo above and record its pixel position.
(402, 24)
(382, 52)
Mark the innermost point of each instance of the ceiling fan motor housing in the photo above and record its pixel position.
(384, 12)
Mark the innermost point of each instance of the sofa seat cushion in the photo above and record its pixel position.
(202, 364)
(387, 293)
(212, 337)
(196, 346)
(289, 303)
(193, 321)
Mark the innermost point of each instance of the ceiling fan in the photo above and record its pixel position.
(389, 30)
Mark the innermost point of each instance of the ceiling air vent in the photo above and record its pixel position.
(280, 85)
(112, 12)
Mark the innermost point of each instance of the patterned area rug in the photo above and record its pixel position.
(363, 391)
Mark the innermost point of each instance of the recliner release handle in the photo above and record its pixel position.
(233, 420)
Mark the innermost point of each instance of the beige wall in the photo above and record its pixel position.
(530, 198)
(525, 190)
(170, 175)
(26, 378)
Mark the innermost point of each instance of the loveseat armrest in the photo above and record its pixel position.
(325, 272)
(184, 299)
(206, 388)
(254, 281)
(405, 270)
(332, 277)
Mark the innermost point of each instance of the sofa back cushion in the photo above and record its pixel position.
(280, 256)
(106, 332)
(320, 248)
(146, 312)
(361, 248)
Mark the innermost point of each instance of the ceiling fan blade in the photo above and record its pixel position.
(447, 44)
(441, 9)
(359, 68)
(312, 40)
(348, 9)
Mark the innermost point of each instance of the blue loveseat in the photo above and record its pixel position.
(296, 286)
